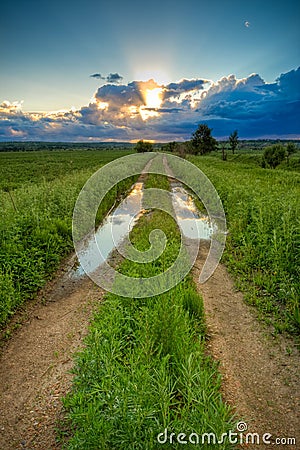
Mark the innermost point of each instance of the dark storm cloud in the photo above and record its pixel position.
(114, 78)
(250, 102)
(98, 76)
(167, 110)
(110, 78)
(120, 95)
(289, 83)
(183, 86)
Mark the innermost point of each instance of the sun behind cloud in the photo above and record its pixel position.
(152, 100)
(154, 97)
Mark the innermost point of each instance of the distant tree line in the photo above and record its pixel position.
(31, 146)
(202, 142)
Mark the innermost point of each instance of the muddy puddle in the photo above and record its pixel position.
(192, 223)
(120, 222)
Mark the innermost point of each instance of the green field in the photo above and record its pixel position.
(159, 343)
(25, 168)
(37, 197)
(38, 191)
(263, 245)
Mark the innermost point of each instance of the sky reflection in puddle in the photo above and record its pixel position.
(120, 222)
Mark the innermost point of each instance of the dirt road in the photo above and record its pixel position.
(35, 363)
(261, 375)
(260, 372)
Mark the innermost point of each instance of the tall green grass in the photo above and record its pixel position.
(263, 245)
(36, 217)
(144, 367)
(18, 169)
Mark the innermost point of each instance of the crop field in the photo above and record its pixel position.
(145, 366)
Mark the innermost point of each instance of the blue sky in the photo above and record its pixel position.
(50, 49)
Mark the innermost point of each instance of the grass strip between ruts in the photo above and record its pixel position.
(144, 367)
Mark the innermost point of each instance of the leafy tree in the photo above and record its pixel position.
(233, 141)
(182, 148)
(202, 140)
(223, 147)
(143, 146)
(172, 146)
(290, 149)
(273, 155)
